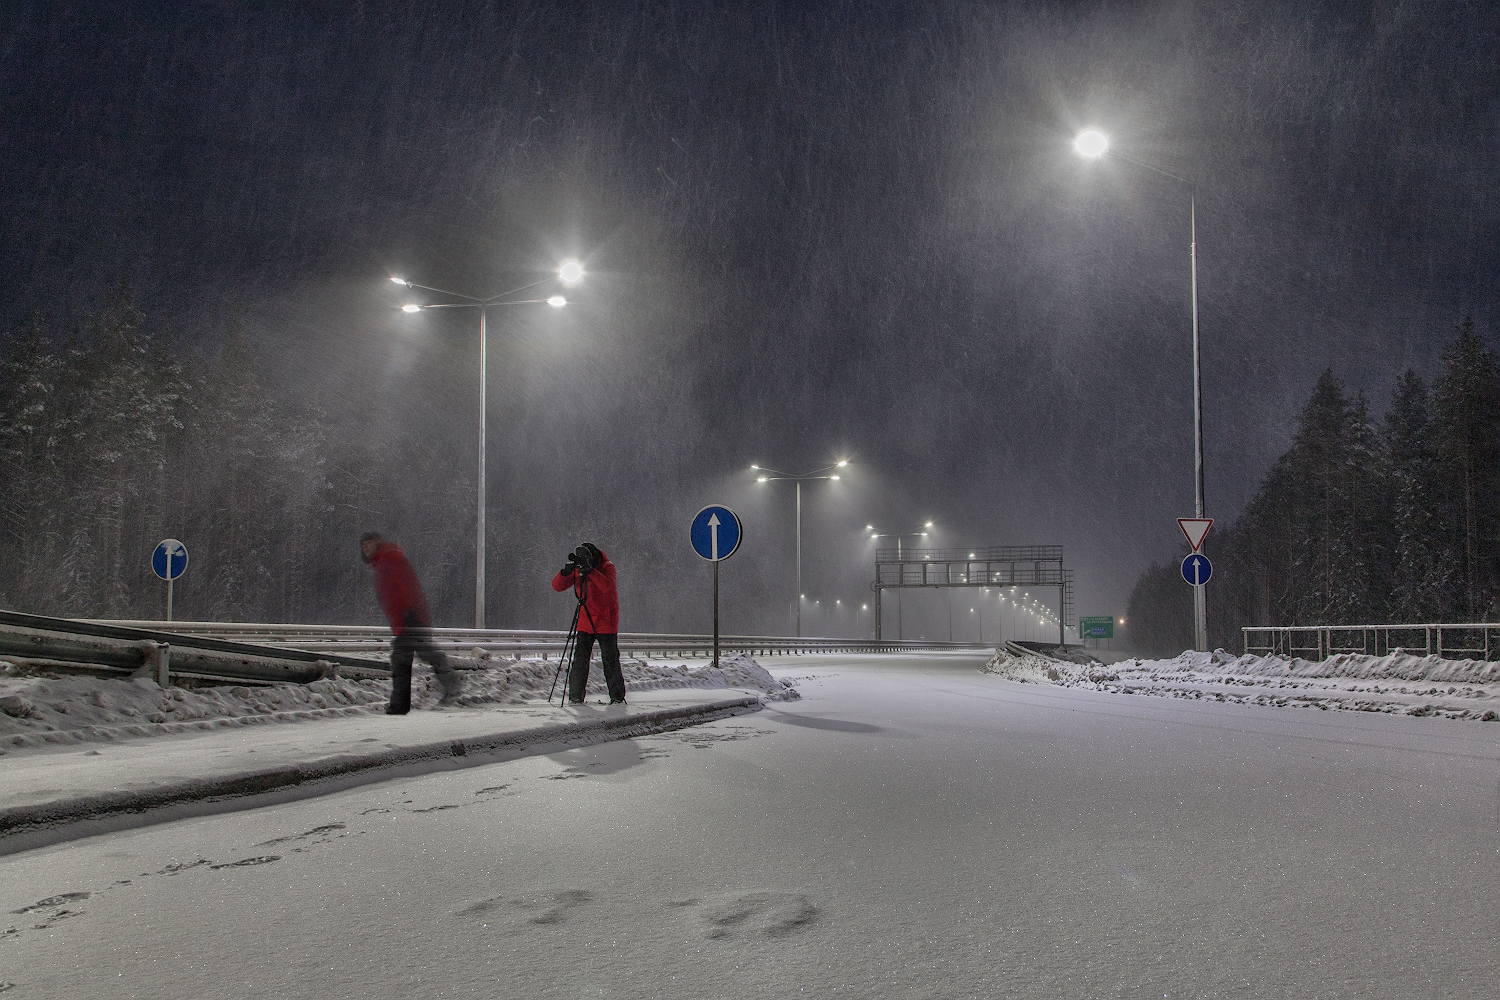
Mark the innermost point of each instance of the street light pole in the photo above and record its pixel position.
(815, 474)
(1093, 144)
(483, 410)
(570, 272)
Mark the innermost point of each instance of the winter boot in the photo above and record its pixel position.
(453, 686)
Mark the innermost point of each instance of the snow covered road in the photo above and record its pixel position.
(910, 828)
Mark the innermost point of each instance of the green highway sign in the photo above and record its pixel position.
(1096, 628)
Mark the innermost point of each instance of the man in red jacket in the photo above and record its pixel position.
(404, 604)
(592, 577)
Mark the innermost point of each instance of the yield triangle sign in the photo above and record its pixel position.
(1195, 528)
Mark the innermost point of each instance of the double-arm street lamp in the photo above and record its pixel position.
(900, 568)
(771, 475)
(1093, 144)
(570, 272)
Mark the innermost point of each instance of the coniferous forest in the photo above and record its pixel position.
(109, 441)
(1361, 521)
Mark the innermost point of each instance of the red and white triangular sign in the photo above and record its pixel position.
(1195, 528)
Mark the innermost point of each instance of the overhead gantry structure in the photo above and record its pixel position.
(1000, 566)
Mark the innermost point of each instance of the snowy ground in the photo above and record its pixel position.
(41, 709)
(1401, 683)
(911, 828)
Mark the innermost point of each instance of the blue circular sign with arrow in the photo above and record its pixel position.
(169, 561)
(715, 533)
(1196, 569)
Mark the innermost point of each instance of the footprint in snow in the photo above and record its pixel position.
(747, 914)
(248, 862)
(54, 901)
(324, 833)
(541, 910)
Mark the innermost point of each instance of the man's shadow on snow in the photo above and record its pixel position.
(599, 759)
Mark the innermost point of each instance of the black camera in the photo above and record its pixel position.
(582, 559)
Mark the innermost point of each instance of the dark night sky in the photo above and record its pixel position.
(812, 231)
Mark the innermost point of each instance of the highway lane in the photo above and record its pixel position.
(910, 828)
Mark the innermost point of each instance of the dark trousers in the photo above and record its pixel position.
(415, 642)
(609, 652)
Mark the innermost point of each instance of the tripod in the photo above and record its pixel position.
(581, 588)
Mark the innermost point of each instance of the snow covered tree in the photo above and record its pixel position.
(1422, 576)
(1466, 429)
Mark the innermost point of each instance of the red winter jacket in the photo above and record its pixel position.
(397, 589)
(601, 608)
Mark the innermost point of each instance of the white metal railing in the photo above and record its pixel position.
(1461, 640)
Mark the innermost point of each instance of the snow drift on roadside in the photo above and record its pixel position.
(1400, 682)
(40, 707)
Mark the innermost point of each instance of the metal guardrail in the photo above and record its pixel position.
(279, 653)
(63, 642)
(1464, 640)
(374, 640)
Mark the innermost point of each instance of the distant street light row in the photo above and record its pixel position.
(569, 272)
(772, 476)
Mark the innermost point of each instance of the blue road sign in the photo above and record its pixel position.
(1196, 569)
(169, 561)
(715, 533)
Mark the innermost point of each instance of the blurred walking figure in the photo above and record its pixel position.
(592, 577)
(405, 606)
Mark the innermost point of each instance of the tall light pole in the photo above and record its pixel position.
(1093, 144)
(771, 475)
(569, 272)
(897, 535)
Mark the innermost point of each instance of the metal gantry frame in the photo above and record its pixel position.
(999, 566)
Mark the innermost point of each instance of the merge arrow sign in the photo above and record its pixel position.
(1195, 528)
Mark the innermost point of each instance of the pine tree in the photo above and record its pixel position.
(1422, 577)
(1467, 437)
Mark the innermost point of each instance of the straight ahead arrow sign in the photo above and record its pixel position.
(713, 530)
(1195, 528)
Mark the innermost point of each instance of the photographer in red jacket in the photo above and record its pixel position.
(405, 606)
(592, 577)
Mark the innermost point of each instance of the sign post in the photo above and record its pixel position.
(1195, 528)
(169, 561)
(715, 534)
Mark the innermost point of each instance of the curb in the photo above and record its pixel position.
(24, 827)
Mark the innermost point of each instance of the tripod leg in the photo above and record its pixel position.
(562, 658)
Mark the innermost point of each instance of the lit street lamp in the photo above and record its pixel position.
(897, 535)
(570, 272)
(1093, 144)
(771, 475)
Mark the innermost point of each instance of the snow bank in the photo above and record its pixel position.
(1399, 682)
(39, 707)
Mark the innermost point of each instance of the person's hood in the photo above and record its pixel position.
(382, 550)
